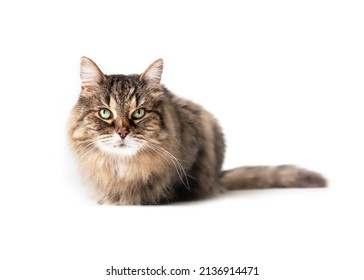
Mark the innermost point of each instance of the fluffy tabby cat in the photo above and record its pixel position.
(138, 143)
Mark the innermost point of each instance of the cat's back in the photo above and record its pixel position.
(202, 142)
(188, 112)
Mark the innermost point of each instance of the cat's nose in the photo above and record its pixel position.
(123, 132)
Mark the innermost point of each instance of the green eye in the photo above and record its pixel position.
(105, 114)
(138, 114)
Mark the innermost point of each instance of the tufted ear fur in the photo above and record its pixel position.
(90, 73)
(153, 74)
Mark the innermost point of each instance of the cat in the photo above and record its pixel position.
(140, 144)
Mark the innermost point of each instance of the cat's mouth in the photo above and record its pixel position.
(115, 145)
(121, 144)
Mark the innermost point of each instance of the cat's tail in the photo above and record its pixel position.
(264, 177)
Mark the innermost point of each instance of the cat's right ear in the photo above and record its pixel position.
(91, 75)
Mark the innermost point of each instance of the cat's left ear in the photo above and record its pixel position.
(153, 74)
(91, 75)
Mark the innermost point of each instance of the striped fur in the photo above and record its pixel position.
(174, 152)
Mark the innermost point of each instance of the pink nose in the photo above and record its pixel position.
(123, 132)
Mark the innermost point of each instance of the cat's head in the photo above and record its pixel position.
(118, 115)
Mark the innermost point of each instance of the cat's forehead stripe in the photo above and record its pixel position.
(133, 104)
(123, 95)
(131, 90)
(113, 105)
(140, 101)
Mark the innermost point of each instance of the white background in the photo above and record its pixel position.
(285, 79)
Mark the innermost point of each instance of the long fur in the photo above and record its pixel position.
(174, 152)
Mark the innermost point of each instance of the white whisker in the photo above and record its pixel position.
(169, 157)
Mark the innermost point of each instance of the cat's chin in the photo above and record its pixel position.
(122, 151)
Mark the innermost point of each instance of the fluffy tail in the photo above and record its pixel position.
(264, 177)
